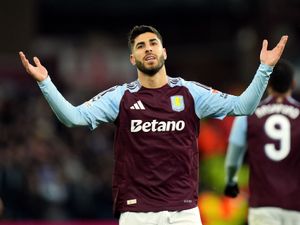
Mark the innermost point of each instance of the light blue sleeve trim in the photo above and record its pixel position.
(247, 102)
(236, 148)
(207, 102)
(210, 103)
(102, 108)
(237, 141)
(68, 114)
(238, 133)
(233, 162)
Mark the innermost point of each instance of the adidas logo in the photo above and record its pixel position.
(138, 105)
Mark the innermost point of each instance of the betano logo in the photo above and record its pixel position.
(156, 126)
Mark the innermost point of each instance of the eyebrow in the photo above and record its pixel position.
(151, 40)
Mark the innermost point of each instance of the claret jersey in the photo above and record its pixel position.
(156, 150)
(273, 150)
(156, 154)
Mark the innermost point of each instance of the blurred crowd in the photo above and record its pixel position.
(48, 171)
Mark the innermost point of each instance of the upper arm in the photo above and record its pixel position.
(104, 107)
(209, 102)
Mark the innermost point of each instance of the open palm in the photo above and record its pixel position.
(271, 57)
(38, 72)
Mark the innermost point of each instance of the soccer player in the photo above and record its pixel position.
(155, 179)
(271, 139)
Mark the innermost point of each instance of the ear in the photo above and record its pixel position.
(165, 53)
(132, 59)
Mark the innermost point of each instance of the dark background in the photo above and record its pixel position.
(207, 39)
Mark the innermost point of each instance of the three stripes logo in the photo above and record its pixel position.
(138, 105)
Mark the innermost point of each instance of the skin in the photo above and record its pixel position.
(149, 52)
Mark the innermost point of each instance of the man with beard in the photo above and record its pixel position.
(155, 179)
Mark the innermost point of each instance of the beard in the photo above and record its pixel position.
(152, 70)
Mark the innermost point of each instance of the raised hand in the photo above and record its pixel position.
(271, 57)
(38, 72)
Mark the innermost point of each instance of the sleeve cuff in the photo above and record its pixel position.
(265, 69)
(45, 82)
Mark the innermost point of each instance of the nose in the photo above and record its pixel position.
(148, 48)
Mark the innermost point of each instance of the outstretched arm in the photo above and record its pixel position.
(65, 111)
(209, 103)
(249, 99)
(101, 109)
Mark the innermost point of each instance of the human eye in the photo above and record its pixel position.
(139, 46)
(154, 43)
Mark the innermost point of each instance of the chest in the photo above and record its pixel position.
(162, 104)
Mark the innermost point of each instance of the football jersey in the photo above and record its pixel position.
(156, 155)
(155, 147)
(273, 133)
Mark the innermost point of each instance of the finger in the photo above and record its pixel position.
(281, 45)
(282, 42)
(36, 61)
(24, 60)
(22, 56)
(264, 45)
(284, 39)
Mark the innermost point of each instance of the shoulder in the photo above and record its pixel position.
(178, 81)
(133, 86)
(175, 81)
(293, 101)
(118, 90)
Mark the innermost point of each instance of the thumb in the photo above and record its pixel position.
(36, 61)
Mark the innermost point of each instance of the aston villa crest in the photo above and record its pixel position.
(177, 103)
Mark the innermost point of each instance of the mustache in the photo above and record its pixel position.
(152, 70)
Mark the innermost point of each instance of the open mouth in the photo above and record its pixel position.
(149, 58)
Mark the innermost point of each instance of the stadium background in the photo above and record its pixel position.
(52, 173)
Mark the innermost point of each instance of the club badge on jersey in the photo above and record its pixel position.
(177, 103)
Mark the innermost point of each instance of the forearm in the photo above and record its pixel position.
(231, 174)
(247, 102)
(68, 114)
(233, 161)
